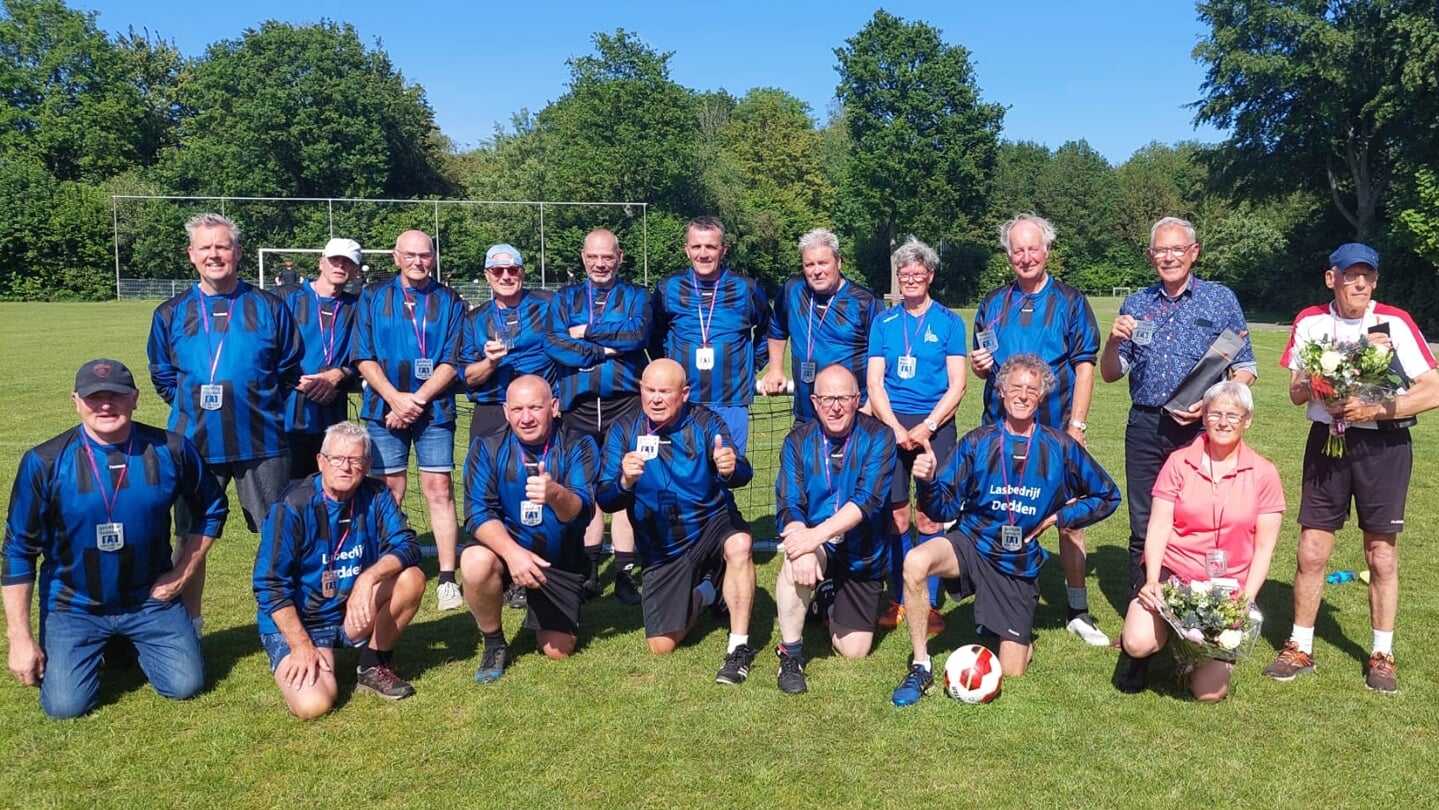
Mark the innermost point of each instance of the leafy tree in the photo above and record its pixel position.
(923, 145)
(303, 111)
(1330, 95)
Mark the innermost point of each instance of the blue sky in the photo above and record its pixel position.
(1117, 74)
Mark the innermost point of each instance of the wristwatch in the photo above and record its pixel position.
(932, 425)
(1083, 426)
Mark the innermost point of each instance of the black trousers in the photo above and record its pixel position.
(1149, 438)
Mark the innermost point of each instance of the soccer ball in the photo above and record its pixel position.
(972, 674)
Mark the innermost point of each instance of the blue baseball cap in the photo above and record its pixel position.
(492, 256)
(1351, 254)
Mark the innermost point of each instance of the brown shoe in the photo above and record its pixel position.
(1291, 663)
(936, 622)
(1379, 674)
(892, 616)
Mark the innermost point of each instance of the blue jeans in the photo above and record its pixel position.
(73, 643)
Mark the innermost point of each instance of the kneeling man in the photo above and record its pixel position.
(832, 512)
(671, 467)
(337, 566)
(1005, 483)
(527, 504)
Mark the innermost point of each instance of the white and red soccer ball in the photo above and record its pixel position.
(972, 674)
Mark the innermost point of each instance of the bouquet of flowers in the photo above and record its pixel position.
(1341, 369)
(1210, 620)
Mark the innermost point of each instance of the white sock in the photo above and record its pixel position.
(735, 640)
(1304, 638)
(924, 663)
(1383, 642)
(706, 591)
(1078, 597)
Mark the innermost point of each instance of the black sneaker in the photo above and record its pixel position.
(492, 664)
(819, 606)
(516, 597)
(382, 681)
(791, 674)
(627, 589)
(736, 666)
(1131, 674)
(589, 589)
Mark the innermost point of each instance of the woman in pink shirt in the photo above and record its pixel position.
(1214, 499)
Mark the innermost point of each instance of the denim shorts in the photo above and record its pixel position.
(434, 447)
(329, 636)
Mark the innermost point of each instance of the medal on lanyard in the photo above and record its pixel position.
(329, 578)
(648, 446)
(1143, 333)
(110, 535)
(705, 354)
(907, 363)
(424, 367)
(807, 367)
(212, 394)
(806, 371)
(212, 397)
(1011, 535)
(986, 340)
(827, 460)
(906, 367)
(531, 513)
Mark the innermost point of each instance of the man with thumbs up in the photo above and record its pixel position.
(1005, 484)
(527, 503)
(671, 467)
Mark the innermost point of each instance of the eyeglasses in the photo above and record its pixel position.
(1231, 418)
(1172, 250)
(507, 270)
(912, 278)
(339, 462)
(831, 401)
(1347, 278)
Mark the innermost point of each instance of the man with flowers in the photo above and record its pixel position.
(1217, 510)
(1359, 448)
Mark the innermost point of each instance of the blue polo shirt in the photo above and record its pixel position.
(931, 338)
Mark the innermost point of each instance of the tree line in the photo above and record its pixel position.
(1332, 106)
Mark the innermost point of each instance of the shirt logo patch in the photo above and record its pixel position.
(930, 336)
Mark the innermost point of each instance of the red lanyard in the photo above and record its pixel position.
(349, 524)
(329, 343)
(1169, 305)
(904, 326)
(828, 459)
(205, 319)
(419, 310)
(542, 458)
(809, 318)
(699, 305)
(1023, 465)
(108, 500)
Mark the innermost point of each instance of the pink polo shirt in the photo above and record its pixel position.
(1221, 514)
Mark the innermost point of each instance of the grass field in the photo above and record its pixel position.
(615, 726)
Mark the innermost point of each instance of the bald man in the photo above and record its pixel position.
(672, 467)
(406, 333)
(527, 503)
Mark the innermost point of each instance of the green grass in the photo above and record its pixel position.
(617, 726)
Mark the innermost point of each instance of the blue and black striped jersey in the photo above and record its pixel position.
(823, 330)
(618, 318)
(995, 479)
(818, 475)
(680, 489)
(396, 326)
(1055, 323)
(246, 343)
(525, 325)
(730, 315)
(930, 339)
(495, 471)
(307, 535)
(327, 329)
(58, 504)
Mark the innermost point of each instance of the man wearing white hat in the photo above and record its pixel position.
(325, 314)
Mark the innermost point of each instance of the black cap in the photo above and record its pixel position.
(104, 375)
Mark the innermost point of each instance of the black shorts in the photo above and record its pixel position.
(943, 443)
(856, 601)
(668, 585)
(555, 605)
(304, 447)
(1374, 471)
(487, 418)
(592, 416)
(1003, 604)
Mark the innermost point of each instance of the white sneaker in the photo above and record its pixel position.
(449, 596)
(1083, 626)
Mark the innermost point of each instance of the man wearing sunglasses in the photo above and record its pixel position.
(336, 568)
